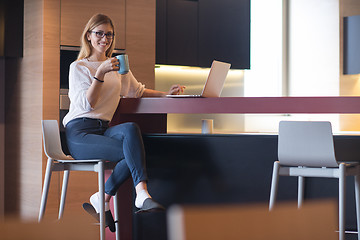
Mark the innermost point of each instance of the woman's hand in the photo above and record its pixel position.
(111, 64)
(93, 93)
(176, 89)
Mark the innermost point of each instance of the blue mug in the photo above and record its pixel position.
(124, 63)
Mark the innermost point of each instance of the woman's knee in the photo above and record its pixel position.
(132, 128)
(124, 130)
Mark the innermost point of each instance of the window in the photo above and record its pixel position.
(294, 52)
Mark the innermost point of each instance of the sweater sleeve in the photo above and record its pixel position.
(79, 82)
(131, 87)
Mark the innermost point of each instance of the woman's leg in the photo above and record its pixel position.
(133, 149)
(134, 153)
(86, 142)
(121, 143)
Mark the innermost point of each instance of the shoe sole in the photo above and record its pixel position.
(150, 206)
(109, 221)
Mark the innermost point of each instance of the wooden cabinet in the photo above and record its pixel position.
(195, 32)
(75, 14)
(134, 22)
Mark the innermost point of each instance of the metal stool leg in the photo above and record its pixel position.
(116, 215)
(274, 184)
(102, 199)
(357, 200)
(46, 187)
(63, 193)
(301, 181)
(342, 180)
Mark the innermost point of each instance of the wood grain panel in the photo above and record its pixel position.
(33, 95)
(349, 7)
(51, 86)
(140, 39)
(75, 15)
(76, 227)
(24, 142)
(212, 222)
(81, 186)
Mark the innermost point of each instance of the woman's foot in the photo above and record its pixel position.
(150, 205)
(141, 196)
(145, 203)
(95, 202)
(94, 208)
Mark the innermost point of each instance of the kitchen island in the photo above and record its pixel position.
(221, 168)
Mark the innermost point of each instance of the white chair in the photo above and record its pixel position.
(306, 149)
(58, 161)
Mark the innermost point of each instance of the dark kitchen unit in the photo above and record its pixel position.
(195, 32)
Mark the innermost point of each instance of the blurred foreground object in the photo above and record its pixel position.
(70, 228)
(315, 220)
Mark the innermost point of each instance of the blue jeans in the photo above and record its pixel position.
(93, 139)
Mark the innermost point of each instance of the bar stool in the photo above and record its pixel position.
(306, 149)
(59, 162)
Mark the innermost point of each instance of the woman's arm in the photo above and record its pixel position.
(153, 93)
(93, 92)
(174, 90)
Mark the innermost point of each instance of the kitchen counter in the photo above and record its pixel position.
(251, 154)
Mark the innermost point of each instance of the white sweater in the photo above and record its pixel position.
(114, 86)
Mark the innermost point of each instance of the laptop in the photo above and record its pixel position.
(214, 83)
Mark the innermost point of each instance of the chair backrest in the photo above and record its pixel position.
(306, 143)
(51, 138)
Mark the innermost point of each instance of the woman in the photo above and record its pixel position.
(95, 88)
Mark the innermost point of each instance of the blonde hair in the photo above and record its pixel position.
(86, 48)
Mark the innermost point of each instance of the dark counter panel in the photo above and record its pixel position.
(226, 169)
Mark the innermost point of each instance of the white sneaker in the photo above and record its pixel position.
(95, 202)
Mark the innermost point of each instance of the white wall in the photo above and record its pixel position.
(264, 79)
(314, 47)
(307, 50)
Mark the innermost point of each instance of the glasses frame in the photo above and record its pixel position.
(109, 35)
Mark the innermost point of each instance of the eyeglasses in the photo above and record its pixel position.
(101, 34)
